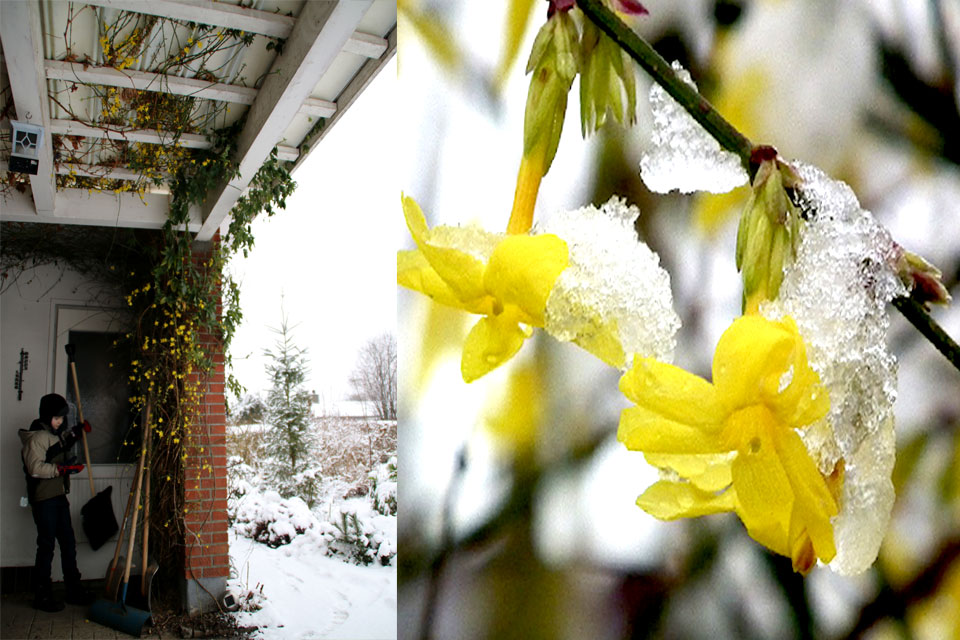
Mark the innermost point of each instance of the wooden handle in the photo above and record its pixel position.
(136, 502)
(83, 433)
(123, 527)
(148, 437)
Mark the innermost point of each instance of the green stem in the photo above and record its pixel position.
(734, 141)
(661, 71)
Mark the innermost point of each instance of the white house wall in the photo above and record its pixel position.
(28, 311)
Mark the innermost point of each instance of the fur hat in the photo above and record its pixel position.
(52, 405)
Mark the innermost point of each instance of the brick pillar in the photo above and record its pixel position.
(207, 555)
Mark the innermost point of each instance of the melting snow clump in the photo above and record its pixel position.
(684, 156)
(837, 291)
(614, 282)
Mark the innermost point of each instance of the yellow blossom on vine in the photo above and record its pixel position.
(733, 445)
(504, 278)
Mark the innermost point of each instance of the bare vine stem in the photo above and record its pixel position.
(732, 140)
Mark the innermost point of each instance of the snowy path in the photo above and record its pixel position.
(308, 595)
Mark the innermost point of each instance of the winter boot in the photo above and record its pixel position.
(76, 594)
(44, 600)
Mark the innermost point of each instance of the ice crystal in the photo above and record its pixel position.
(837, 291)
(613, 279)
(684, 156)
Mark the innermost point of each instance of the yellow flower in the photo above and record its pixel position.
(732, 444)
(505, 278)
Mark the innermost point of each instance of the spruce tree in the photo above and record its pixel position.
(292, 439)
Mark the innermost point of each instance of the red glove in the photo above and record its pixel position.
(81, 427)
(69, 469)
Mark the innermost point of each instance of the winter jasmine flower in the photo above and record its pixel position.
(504, 278)
(583, 276)
(733, 444)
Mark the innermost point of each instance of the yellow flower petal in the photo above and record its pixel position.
(763, 391)
(462, 272)
(804, 400)
(814, 504)
(644, 430)
(707, 472)
(414, 272)
(672, 392)
(491, 342)
(671, 500)
(523, 270)
(764, 496)
(602, 340)
(751, 357)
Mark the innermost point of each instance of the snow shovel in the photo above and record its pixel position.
(117, 614)
(99, 523)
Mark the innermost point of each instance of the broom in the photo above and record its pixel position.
(99, 523)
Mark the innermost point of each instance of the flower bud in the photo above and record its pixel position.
(553, 64)
(921, 278)
(769, 229)
(606, 81)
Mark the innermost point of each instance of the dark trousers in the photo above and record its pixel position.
(52, 518)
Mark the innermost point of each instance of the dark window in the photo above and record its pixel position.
(104, 393)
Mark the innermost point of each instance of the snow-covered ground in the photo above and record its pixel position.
(309, 595)
(326, 572)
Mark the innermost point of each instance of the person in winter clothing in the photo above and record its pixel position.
(48, 465)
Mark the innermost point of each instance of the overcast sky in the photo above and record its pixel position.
(331, 255)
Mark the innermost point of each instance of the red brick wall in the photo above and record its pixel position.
(205, 468)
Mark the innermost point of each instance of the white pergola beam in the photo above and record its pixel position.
(96, 208)
(110, 173)
(23, 56)
(146, 81)
(92, 171)
(352, 91)
(147, 136)
(366, 45)
(320, 33)
(219, 14)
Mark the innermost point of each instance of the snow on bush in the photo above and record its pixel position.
(354, 515)
(270, 519)
(384, 479)
(248, 409)
(241, 479)
(358, 533)
(247, 599)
